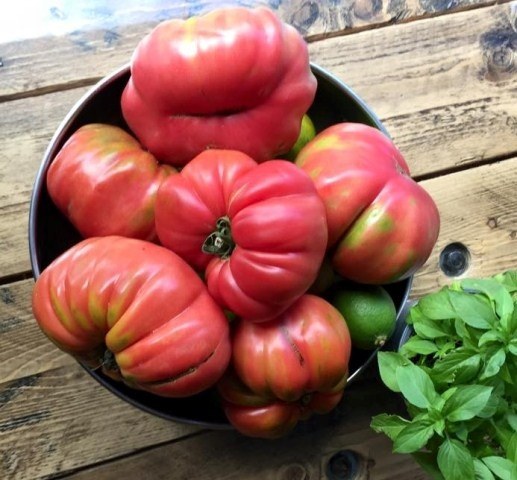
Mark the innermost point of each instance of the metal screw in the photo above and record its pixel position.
(343, 465)
(454, 259)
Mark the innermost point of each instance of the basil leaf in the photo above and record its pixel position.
(464, 332)
(437, 306)
(500, 466)
(512, 323)
(388, 363)
(491, 336)
(473, 310)
(508, 280)
(512, 347)
(491, 407)
(462, 432)
(416, 386)
(418, 346)
(413, 437)
(444, 370)
(455, 461)
(414, 315)
(429, 329)
(501, 298)
(481, 471)
(511, 418)
(511, 447)
(390, 425)
(466, 402)
(494, 363)
(427, 460)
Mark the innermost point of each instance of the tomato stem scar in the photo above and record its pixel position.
(220, 241)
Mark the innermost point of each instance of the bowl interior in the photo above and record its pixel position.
(50, 233)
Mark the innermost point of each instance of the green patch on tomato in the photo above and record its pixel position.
(406, 266)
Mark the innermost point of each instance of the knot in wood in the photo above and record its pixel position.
(305, 16)
(499, 48)
(294, 471)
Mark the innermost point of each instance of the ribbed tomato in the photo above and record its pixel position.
(382, 224)
(255, 415)
(105, 183)
(258, 230)
(138, 310)
(234, 78)
(286, 369)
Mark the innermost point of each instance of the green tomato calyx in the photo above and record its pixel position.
(220, 241)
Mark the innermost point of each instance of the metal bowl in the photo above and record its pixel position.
(50, 233)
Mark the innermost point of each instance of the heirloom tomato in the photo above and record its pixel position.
(284, 370)
(137, 310)
(235, 78)
(105, 183)
(258, 230)
(382, 224)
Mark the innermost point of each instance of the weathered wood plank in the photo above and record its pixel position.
(26, 127)
(439, 75)
(99, 38)
(62, 419)
(312, 18)
(228, 455)
(442, 113)
(24, 349)
(477, 208)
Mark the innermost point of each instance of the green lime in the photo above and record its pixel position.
(307, 133)
(369, 312)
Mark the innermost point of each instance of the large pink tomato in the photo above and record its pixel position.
(382, 224)
(258, 230)
(105, 183)
(137, 309)
(235, 78)
(286, 369)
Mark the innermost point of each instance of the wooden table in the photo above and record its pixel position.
(442, 75)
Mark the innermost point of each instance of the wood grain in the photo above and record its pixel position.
(477, 208)
(442, 113)
(100, 38)
(309, 17)
(304, 455)
(24, 350)
(26, 127)
(439, 75)
(62, 419)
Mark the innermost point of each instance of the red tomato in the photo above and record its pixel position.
(140, 304)
(235, 78)
(259, 231)
(265, 417)
(105, 183)
(382, 224)
(287, 369)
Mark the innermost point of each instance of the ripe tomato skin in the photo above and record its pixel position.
(105, 183)
(219, 81)
(276, 225)
(305, 349)
(382, 224)
(284, 370)
(141, 303)
(265, 417)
